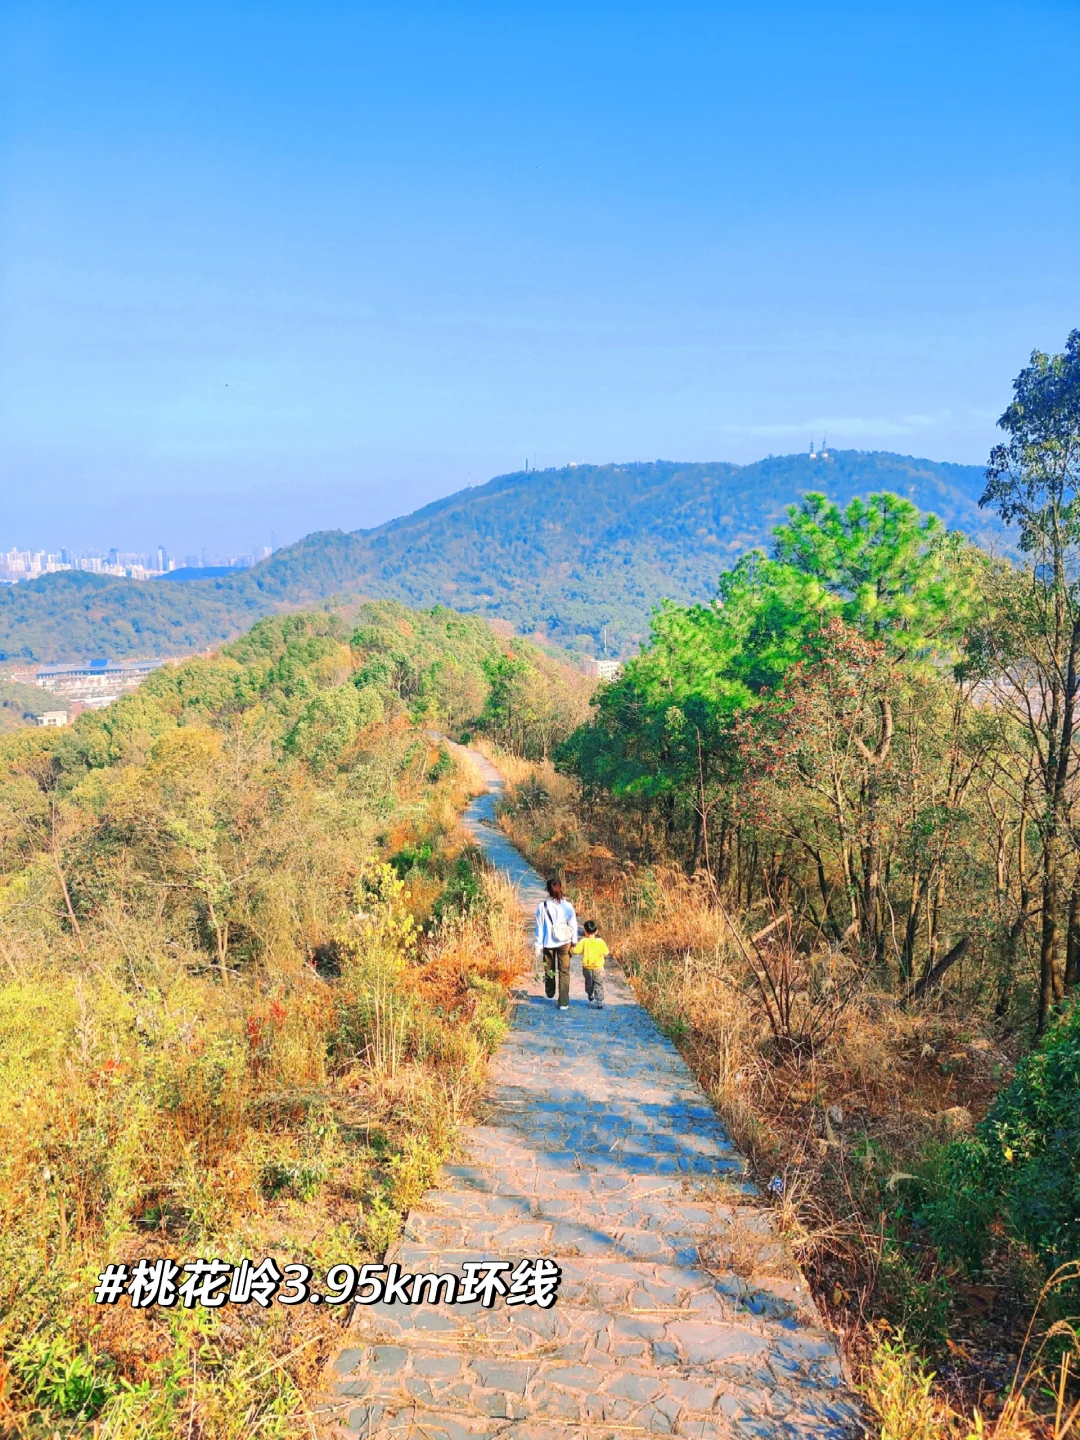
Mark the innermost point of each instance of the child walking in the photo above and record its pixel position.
(593, 951)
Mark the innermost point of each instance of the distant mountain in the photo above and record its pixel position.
(564, 552)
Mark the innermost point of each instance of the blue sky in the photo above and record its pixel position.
(280, 267)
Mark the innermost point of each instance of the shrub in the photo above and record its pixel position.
(463, 892)
(59, 1377)
(898, 1390)
(1022, 1165)
(331, 722)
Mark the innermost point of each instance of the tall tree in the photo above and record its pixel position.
(889, 572)
(1033, 481)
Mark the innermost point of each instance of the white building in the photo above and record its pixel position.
(101, 680)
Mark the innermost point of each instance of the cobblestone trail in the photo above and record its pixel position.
(679, 1312)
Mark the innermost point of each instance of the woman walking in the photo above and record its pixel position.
(556, 930)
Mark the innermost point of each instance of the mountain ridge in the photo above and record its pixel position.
(561, 552)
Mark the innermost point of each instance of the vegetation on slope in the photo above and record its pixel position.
(19, 704)
(572, 551)
(75, 615)
(568, 553)
(249, 979)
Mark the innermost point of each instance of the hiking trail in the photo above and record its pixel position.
(680, 1312)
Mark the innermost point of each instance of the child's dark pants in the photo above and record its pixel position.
(594, 984)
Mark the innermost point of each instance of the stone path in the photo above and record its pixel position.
(678, 1313)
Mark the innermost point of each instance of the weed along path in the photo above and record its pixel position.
(678, 1311)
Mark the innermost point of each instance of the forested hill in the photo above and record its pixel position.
(566, 552)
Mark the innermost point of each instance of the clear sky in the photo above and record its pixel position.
(280, 267)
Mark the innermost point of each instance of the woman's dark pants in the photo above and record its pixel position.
(557, 960)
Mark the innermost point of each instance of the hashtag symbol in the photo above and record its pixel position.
(111, 1284)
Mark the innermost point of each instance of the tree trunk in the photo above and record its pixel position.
(699, 834)
(869, 859)
(1051, 979)
(1012, 940)
(221, 938)
(828, 918)
(936, 906)
(1048, 944)
(934, 974)
(911, 928)
(1072, 944)
(73, 919)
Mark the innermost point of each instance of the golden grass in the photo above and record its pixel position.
(470, 780)
(900, 1392)
(512, 768)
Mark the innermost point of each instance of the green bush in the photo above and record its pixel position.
(914, 1293)
(463, 891)
(300, 1181)
(1022, 1165)
(412, 858)
(442, 767)
(61, 1378)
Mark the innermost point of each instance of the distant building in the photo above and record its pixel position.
(17, 565)
(52, 718)
(95, 681)
(604, 669)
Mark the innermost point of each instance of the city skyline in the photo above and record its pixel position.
(30, 564)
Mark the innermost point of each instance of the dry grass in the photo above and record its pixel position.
(512, 768)
(470, 780)
(298, 1109)
(900, 1390)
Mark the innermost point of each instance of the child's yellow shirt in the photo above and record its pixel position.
(592, 951)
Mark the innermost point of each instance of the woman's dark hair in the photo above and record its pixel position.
(555, 880)
(590, 927)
